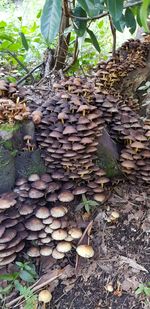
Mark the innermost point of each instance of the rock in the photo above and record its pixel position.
(7, 170)
(28, 163)
(108, 155)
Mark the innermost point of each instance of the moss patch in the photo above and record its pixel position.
(108, 163)
(9, 127)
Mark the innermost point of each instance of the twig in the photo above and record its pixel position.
(33, 289)
(29, 73)
(105, 13)
(19, 62)
(75, 56)
(113, 31)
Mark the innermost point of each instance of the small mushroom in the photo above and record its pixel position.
(63, 246)
(58, 211)
(45, 297)
(85, 251)
(75, 232)
(57, 255)
(59, 234)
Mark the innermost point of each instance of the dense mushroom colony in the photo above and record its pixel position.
(68, 136)
(11, 109)
(120, 109)
(69, 125)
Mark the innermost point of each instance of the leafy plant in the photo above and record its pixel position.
(20, 281)
(144, 288)
(87, 204)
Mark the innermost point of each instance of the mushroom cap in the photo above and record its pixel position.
(2, 230)
(69, 130)
(85, 251)
(33, 252)
(56, 224)
(8, 235)
(8, 260)
(59, 234)
(6, 203)
(46, 251)
(57, 255)
(35, 194)
(34, 177)
(42, 213)
(75, 232)
(100, 197)
(137, 145)
(63, 246)
(66, 197)
(58, 211)
(114, 215)
(39, 185)
(48, 220)
(128, 164)
(26, 209)
(34, 224)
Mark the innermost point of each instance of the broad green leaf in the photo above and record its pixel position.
(144, 14)
(92, 7)
(24, 41)
(147, 291)
(20, 18)
(93, 39)
(130, 20)
(50, 19)
(79, 25)
(26, 276)
(4, 36)
(39, 14)
(87, 208)
(3, 24)
(9, 277)
(115, 9)
(120, 24)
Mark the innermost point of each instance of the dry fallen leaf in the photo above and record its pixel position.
(132, 263)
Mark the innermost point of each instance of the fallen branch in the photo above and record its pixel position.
(29, 73)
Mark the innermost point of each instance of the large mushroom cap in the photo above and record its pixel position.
(75, 233)
(46, 251)
(85, 251)
(42, 213)
(65, 196)
(6, 203)
(33, 252)
(45, 296)
(63, 246)
(34, 224)
(58, 212)
(57, 255)
(59, 234)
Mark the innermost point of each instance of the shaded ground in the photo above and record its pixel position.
(121, 257)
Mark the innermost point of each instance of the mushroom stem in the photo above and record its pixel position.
(83, 113)
(62, 121)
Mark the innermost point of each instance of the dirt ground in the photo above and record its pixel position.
(121, 258)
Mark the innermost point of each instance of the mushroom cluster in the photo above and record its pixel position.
(51, 233)
(120, 110)
(7, 89)
(11, 112)
(68, 137)
(12, 230)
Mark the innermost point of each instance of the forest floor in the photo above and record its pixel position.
(121, 257)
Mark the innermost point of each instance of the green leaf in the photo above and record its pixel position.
(39, 14)
(115, 8)
(120, 24)
(130, 20)
(147, 291)
(50, 19)
(24, 41)
(4, 36)
(94, 40)
(20, 18)
(3, 24)
(91, 7)
(79, 25)
(9, 277)
(26, 276)
(87, 208)
(144, 14)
